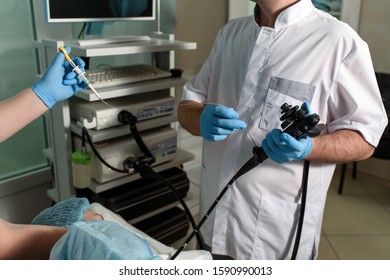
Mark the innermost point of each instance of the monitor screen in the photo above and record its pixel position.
(60, 11)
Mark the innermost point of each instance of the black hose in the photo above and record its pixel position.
(85, 131)
(305, 179)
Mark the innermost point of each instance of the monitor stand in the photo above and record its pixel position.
(93, 36)
(96, 41)
(95, 28)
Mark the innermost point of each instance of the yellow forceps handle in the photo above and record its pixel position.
(63, 50)
(81, 74)
(75, 67)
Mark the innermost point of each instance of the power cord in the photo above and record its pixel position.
(95, 151)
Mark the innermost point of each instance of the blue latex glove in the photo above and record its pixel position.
(59, 81)
(101, 240)
(217, 122)
(63, 213)
(306, 106)
(281, 147)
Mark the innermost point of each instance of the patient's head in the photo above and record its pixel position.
(90, 215)
(101, 240)
(67, 212)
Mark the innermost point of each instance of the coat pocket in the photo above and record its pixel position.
(282, 91)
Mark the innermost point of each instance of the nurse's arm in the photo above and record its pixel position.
(340, 146)
(18, 111)
(27, 241)
(189, 116)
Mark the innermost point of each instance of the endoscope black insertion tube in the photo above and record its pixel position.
(258, 157)
(305, 180)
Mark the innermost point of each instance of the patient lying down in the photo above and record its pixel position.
(105, 235)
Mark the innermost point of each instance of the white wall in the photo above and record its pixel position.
(238, 8)
(198, 21)
(374, 29)
(374, 26)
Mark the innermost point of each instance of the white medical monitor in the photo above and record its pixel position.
(67, 11)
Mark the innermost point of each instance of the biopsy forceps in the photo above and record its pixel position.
(81, 74)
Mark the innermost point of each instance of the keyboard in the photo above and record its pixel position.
(108, 77)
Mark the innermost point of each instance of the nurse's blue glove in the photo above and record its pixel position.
(63, 213)
(59, 81)
(217, 122)
(282, 147)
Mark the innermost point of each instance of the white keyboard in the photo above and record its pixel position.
(108, 77)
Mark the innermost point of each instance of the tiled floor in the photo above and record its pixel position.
(356, 224)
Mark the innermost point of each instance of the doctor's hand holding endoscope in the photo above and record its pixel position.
(282, 147)
(59, 81)
(217, 122)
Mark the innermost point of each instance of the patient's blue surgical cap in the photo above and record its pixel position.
(64, 213)
(101, 240)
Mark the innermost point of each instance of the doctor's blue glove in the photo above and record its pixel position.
(282, 147)
(59, 81)
(217, 122)
(306, 106)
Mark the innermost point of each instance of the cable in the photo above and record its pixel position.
(83, 147)
(125, 117)
(81, 34)
(305, 179)
(85, 131)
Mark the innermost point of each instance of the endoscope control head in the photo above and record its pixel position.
(298, 123)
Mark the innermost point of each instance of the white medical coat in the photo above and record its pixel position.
(308, 56)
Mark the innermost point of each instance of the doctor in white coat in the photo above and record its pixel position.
(291, 52)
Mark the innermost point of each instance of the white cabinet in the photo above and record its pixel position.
(62, 128)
